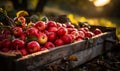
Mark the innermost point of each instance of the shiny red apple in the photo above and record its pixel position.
(23, 36)
(86, 29)
(70, 26)
(52, 36)
(59, 42)
(81, 34)
(6, 43)
(89, 34)
(42, 38)
(17, 31)
(71, 29)
(32, 31)
(66, 39)
(23, 52)
(18, 44)
(62, 31)
(51, 24)
(83, 29)
(43, 49)
(40, 25)
(33, 46)
(75, 34)
(78, 38)
(52, 29)
(59, 24)
(20, 21)
(49, 45)
(97, 31)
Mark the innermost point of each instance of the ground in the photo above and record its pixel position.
(110, 61)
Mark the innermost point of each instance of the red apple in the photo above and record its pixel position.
(18, 44)
(59, 24)
(83, 29)
(22, 20)
(1, 45)
(49, 45)
(75, 34)
(23, 52)
(52, 29)
(81, 34)
(46, 32)
(7, 32)
(71, 29)
(16, 52)
(6, 43)
(72, 37)
(42, 38)
(51, 24)
(32, 31)
(17, 31)
(78, 38)
(86, 29)
(52, 36)
(43, 49)
(33, 46)
(23, 36)
(89, 34)
(64, 25)
(70, 26)
(97, 31)
(40, 25)
(66, 39)
(5, 49)
(5, 36)
(2, 37)
(59, 42)
(62, 31)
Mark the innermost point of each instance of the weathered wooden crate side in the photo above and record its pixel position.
(94, 51)
(38, 60)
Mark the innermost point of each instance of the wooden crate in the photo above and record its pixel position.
(84, 51)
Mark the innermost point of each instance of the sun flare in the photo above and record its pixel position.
(100, 3)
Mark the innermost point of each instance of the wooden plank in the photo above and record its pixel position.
(89, 54)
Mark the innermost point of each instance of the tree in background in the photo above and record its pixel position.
(23, 5)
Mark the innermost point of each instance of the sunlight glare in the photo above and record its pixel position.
(100, 3)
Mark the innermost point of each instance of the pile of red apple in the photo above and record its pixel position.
(26, 38)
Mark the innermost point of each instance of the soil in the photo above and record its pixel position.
(109, 61)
